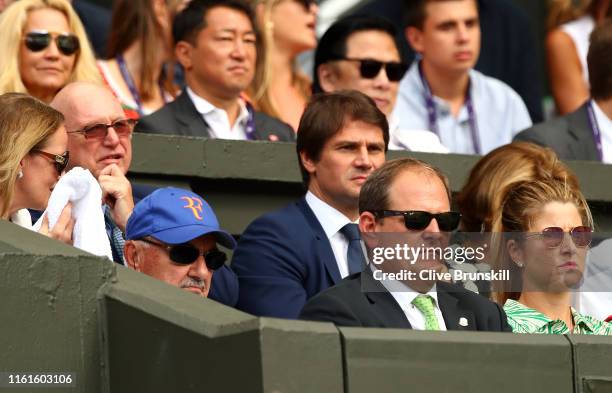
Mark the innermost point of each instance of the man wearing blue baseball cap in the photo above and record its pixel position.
(172, 235)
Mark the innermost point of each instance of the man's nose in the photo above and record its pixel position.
(199, 269)
(363, 159)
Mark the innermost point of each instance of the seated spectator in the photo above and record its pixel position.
(288, 29)
(172, 235)
(410, 197)
(139, 45)
(585, 134)
(33, 156)
(570, 24)
(100, 139)
(215, 42)
(285, 257)
(360, 53)
(548, 229)
(470, 112)
(46, 51)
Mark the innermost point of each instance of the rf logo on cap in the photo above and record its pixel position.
(195, 204)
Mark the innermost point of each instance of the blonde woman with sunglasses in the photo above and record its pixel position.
(44, 47)
(33, 156)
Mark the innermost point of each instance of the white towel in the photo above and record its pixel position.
(81, 188)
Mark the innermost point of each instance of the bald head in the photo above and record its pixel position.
(84, 105)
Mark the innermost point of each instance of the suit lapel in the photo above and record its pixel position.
(323, 249)
(384, 304)
(580, 129)
(190, 120)
(455, 316)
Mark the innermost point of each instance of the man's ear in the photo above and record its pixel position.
(309, 164)
(182, 51)
(327, 77)
(367, 227)
(130, 252)
(414, 37)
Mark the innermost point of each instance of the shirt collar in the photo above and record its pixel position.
(204, 107)
(403, 293)
(330, 219)
(604, 122)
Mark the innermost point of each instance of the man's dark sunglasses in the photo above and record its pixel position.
(186, 254)
(38, 40)
(369, 68)
(60, 161)
(553, 236)
(418, 220)
(123, 128)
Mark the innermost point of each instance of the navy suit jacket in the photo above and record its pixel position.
(282, 260)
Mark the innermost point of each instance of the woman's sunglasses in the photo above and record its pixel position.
(186, 254)
(38, 40)
(60, 161)
(417, 220)
(369, 68)
(306, 3)
(553, 236)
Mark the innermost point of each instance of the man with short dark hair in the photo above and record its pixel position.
(172, 236)
(585, 134)
(360, 53)
(409, 198)
(470, 112)
(285, 257)
(216, 43)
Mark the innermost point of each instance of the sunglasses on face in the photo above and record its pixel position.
(369, 68)
(60, 161)
(553, 236)
(123, 128)
(417, 220)
(39, 40)
(186, 254)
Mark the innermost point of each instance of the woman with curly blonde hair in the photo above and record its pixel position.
(287, 28)
(44, 47)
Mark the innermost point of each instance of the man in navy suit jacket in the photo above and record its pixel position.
(287, 256)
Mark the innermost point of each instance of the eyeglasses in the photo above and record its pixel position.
(38, 40)
(369, 68)
(60, 161)
(418, 220)
(553, 236)
(123, 128)
(186, 254)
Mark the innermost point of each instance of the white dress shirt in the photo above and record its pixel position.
(218, 120)
(332, 221)
(605, 128)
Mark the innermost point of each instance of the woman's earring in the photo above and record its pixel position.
(20, 174)
(519, 263)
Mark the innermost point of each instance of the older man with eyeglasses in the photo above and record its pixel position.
(172, 235)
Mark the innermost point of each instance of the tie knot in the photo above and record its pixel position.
(351, 232)
(424, 303)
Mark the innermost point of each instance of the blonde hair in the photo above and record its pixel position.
(12, 24)
(25, 125)
(563, 11)
(259, 91)
(481, 197)
(519, 208)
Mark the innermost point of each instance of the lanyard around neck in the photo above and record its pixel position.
(432, 115)
(129, 81)
(595, 130)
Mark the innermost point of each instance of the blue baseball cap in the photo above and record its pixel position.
(175, 216)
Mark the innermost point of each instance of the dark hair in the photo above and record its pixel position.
(325, 116)
(332, 45)
(374, 194)
(415, 12)
(189, 22)
(599, 61)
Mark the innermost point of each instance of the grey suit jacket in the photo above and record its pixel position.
(180, 117)
(570, 136)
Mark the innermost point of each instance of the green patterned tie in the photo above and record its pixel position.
(425, 304)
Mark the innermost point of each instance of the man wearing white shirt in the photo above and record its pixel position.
(585, 134)
(215, 42)
(285, 257)
(411, 199)
(470, 112)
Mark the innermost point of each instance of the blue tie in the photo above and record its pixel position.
(115, 236)
(354, 255)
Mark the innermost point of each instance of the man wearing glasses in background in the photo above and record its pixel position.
(411, 198)
(360, 53)
(172, 235)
